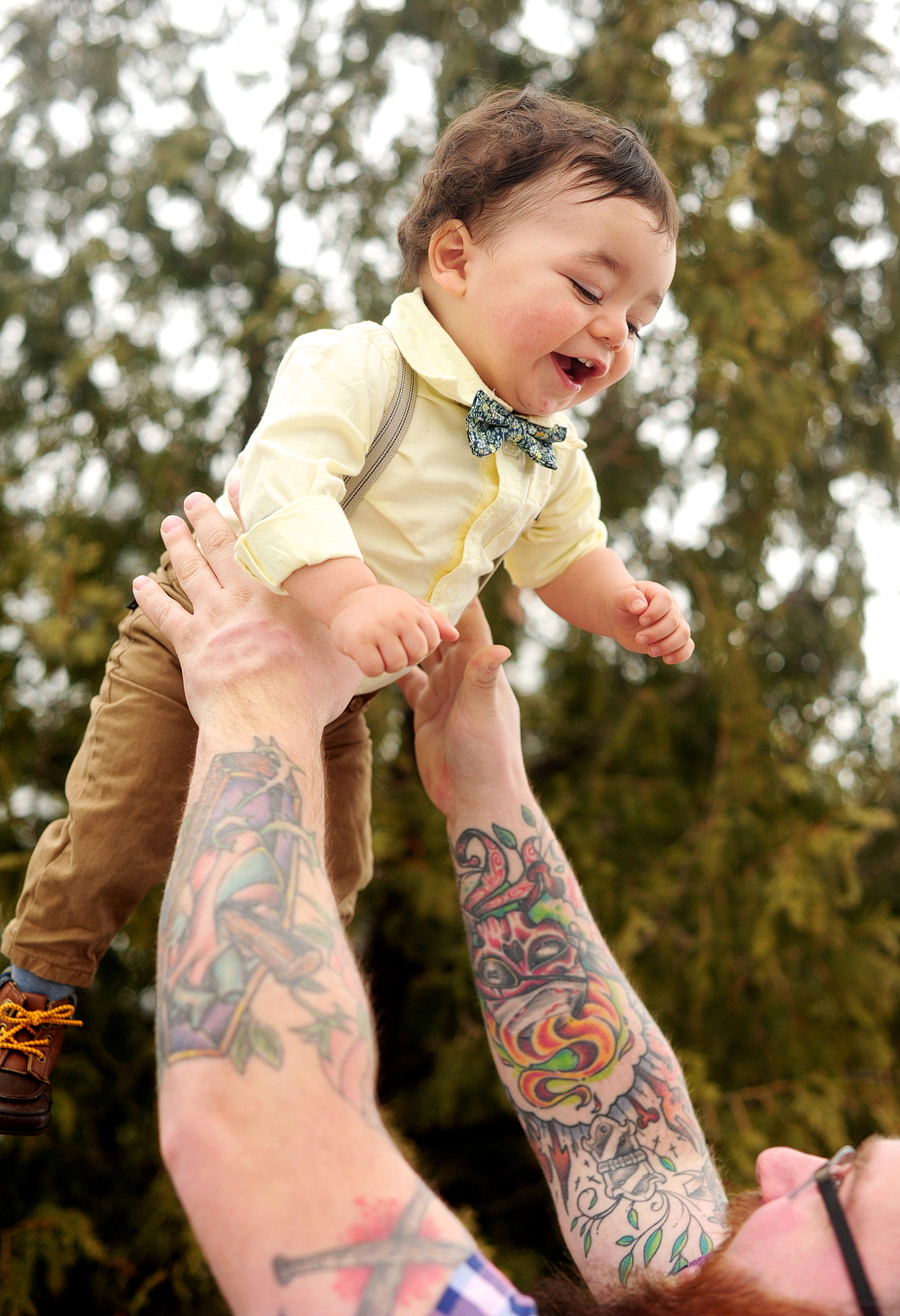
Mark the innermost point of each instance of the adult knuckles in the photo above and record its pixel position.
(215, 538)
(187, 564)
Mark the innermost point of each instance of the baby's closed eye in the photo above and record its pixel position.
(594, 298)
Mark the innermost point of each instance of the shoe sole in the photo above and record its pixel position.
(25, 1127)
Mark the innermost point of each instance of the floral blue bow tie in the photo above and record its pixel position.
(489, 424)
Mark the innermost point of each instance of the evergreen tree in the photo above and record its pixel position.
(732, 820)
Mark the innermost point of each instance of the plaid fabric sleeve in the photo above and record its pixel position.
(477, 1288)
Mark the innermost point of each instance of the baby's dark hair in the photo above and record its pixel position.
(515, 137)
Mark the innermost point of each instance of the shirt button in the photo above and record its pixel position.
(510, 448)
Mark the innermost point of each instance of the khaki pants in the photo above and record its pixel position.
(126, 791)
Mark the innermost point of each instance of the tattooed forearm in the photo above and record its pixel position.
(236, 912)
(387, 1262)
(596, 1085)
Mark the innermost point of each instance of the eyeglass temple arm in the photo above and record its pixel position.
(861, 1287)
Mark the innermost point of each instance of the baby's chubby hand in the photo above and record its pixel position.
(384, 629)
(646, 618)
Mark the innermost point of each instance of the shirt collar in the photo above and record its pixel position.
(434, 356)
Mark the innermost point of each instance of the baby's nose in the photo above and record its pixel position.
(611, 330)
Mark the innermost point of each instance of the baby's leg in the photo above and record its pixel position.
(347, 748)
(126, 791)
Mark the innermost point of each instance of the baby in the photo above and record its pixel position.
(541, 242)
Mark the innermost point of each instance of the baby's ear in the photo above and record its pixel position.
(449, 252)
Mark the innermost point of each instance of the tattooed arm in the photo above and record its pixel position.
(594, 1082)
(268, 1120)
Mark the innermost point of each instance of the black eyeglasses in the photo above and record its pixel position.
(829, 1178)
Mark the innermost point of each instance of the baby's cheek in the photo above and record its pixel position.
(624, 361)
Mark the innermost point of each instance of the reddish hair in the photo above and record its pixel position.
(517, 137)
(716, 1289)
(713, 1289)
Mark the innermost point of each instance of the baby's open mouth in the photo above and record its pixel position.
(576, 368)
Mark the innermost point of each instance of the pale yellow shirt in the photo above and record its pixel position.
(438, 518)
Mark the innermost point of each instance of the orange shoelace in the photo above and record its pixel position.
(14, 1018)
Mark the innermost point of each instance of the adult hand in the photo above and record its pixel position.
(248, 655)
(466, 719)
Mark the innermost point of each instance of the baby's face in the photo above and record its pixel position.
(554, 299)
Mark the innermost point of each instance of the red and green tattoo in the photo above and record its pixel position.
(237, 911)
(595, 1084)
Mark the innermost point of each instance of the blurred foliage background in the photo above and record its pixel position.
(734, 821)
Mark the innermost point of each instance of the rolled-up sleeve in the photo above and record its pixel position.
(326, 404)
(568, 527)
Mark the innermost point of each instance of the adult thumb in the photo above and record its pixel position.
(483, 671)
(412, 686)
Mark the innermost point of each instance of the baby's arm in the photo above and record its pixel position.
(381, 628)
(598, 594)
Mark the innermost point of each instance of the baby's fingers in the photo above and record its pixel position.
(681, 654)
(425, 632)
(660, 604)
(395, 652)
(419, 638)
(663, 630)
(446, 629)
(366, 656)
(234, 497)
(631, 601)
(672, 643)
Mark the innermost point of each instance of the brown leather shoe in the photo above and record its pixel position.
(31, 1038)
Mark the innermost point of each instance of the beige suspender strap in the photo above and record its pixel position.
(388, 437)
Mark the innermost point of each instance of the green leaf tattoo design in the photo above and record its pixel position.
(236, 913)
(674, 1206)
(678, 1245)
(651, 1247)
(505, 837)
